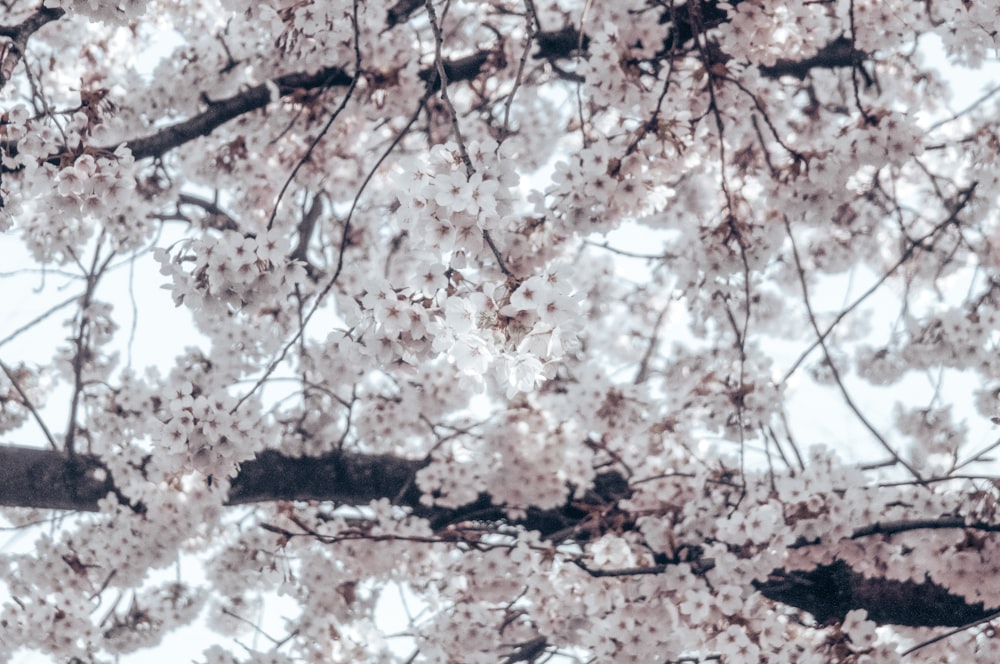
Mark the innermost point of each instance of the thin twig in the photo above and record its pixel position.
(967, 109)
(329, 123)
(27, 404)
(580, 37)
(741, 332)
(654, 341)
(257, 629)
(38, 319)
(93, 275)
(631, 254)
(829, 359)
(212, 208)
(978, 455)
(443, 77)
(767, 119)
(496, 254)
(950, 633)
(963, 200)
(531, 23)
(344, 241)
(854, 66)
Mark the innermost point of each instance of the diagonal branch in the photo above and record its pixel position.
(19, 35)
(257, 97)
(222, 111)
(26, 402)
(845, 394)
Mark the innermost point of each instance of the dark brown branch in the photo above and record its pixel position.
(838, 53)
(224, 110)
(401, 12)
(217, 217)
(828, 592)
(32, 477)
(559, 44)
(259, 96)
(562, 44)
(305, 230)
(345, 478)
(942, 523)
(19, 35)
(47, 479)
(459, 69)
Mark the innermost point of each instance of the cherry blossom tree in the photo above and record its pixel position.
(429, 364)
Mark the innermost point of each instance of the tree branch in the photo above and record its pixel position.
(40, 478)
(19, 35)
(828, 592)
(222, 111)
(838, 53)
(49, 479)
(31, 477)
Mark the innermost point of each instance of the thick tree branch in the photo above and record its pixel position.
(257, 97)
(828, 592)
(552, 45)
(836, 54)
(344, 478)
(562, 44)
(41, 478)
(48, 479)
(401, 12)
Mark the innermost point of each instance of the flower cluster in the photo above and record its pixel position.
(445, 208)
(768, 32)
(234, 270)
(517, 332)
(206, 433)
(119, 14)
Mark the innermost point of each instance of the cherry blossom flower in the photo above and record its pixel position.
(860, 631)
(273, 247)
